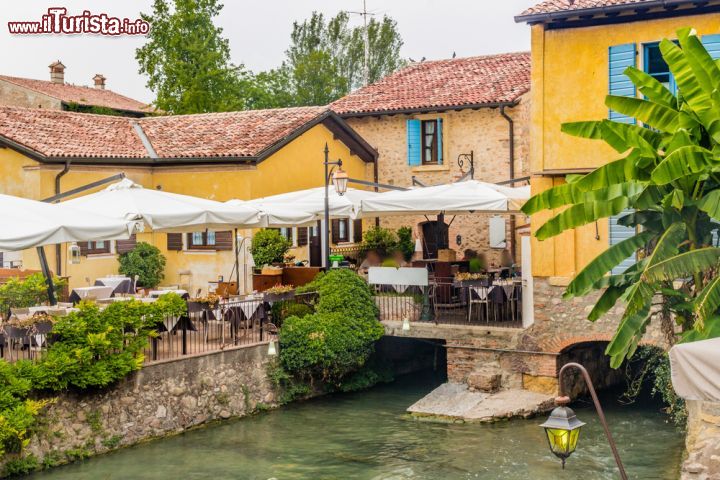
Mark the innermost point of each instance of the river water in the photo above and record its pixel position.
(367, 435)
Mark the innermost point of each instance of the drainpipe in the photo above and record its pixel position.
(511, 138)
(375, 179)
(58, 249)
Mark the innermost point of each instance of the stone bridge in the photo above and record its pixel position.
(531, 358)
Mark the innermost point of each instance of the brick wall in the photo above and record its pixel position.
(483, 131)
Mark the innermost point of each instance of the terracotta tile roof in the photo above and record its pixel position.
(231, 134)
(443, 84)
(81, 95)
(556, 6)
(53, 133)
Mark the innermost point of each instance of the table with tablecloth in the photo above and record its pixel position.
(96, 292)
(120, 284)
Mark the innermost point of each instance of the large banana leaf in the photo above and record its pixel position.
(711, 329)
(708, 301)
(687, 84)
(568, 193)
(705, 70)
(651, 88)
(683, 265)
(620, 136)
(581, 214)
(618, 171)
(604, 263)
(682, 162)
(606, 301)
(627, 336)
(653, 114)
(710, 204)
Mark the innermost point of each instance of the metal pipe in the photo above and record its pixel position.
(511, 139)
(47, 274)
(598, 408)
(326, 231)
(58, 249)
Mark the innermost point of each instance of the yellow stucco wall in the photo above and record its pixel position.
(296, 166)
(569, 83)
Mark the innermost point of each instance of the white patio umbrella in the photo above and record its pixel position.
(312, 200)
(695, 370)
(274, 216)
(470, 196)
(30, 223)
(165, 211)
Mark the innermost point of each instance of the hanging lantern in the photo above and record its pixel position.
(340, 181)
(272, 350)
(562, 429)
(74, 253)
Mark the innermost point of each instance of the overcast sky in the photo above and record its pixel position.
(259, 33)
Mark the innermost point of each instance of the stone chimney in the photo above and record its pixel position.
(57, 72)
(99, 81)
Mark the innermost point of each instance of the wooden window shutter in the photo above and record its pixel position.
(335, 231)
(414, 142)
(223, 240)
(174, 242)
(357, 231)
(439, 130)
(83, 248)
(302, 236)
(124, 246)
(620, 58)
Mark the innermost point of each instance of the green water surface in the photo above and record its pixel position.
(367, 435)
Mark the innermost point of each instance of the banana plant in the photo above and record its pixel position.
(668, 175)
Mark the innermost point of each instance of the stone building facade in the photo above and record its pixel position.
(476, 104)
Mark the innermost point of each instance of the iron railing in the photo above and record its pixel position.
(497, 303)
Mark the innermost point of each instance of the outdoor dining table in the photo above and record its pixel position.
(119, 284)
(81, 293)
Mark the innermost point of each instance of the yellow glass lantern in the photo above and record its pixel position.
(562, 429)
(340, 181)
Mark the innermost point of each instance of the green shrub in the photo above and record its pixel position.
(389, 262)
(405, 244)
(17, 293)
(285, 309)
(21, 466)
(339, 338)
(269, 247)
(380, 240)
(146, 262)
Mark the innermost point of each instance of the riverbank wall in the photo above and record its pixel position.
(702, 441)
(161, 399)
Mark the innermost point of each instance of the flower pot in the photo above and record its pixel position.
(279, 297)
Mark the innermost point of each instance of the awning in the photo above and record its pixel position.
(283, 216)
(465, 197)
(312, 200)
(165, 211)
(29, 223)
(695, 370)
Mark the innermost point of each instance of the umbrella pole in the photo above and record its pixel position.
(48, 275)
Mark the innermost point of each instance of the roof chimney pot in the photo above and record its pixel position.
(57, 72)
(99, 80)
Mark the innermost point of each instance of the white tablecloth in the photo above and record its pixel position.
(97, 292)
(250, 307)
(113, 282)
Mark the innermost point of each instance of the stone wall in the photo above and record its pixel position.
(483, 131)
(161, 399)
(702, 441)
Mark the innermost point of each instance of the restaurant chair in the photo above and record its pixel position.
(479, 296)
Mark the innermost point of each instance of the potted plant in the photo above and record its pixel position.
(269, 248)
(467, 279)
(146, 262)
(279, 293)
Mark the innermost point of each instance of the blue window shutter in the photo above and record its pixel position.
(617, 234)
(621, 57)
(440, 140)
(413, 142)
(712, 45)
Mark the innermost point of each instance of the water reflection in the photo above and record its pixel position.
(367, 436)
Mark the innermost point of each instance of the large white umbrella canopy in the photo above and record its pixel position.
(30, 223)
(465, 197)
(312, 200)
(695, 370)
(274, 216)
(165, 211)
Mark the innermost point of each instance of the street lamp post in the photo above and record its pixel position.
(563, 428)
(340, 181)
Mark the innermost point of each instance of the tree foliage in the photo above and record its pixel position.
(187, 60)
(269, 247)
(668, 176)
(325, 61)
(146, 262)
(23, 293)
